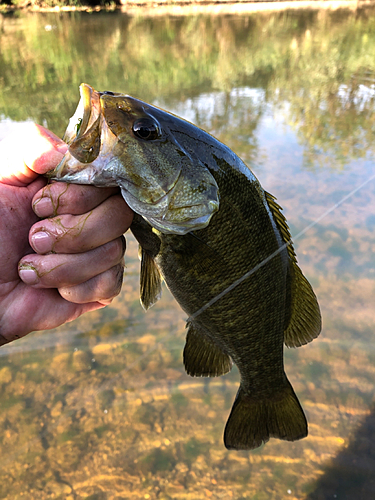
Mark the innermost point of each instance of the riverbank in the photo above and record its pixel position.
(179, 7)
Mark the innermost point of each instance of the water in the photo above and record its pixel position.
(101, 408)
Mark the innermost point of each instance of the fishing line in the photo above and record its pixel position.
(270, 257)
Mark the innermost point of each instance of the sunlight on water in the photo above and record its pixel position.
(102, 408)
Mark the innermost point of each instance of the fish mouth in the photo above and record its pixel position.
(82, 120)
(87, 136)
(88, 110)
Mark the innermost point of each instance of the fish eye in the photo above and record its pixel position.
(146, 129)
(107, 92)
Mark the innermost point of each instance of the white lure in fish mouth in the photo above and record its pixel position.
(158, 179)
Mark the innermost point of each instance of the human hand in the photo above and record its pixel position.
(78, 261)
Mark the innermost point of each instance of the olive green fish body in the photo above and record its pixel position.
(247, 324)
(219, 241)
(200, 265)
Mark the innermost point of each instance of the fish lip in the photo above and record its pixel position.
(86, 93)
(78, 125)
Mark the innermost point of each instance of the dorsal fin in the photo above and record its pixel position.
(202, 357)
(305, 320)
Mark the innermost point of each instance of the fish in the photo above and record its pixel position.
(220, 242)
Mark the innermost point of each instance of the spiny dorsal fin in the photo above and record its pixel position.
(305, 321)
(150, 280)
(281, 224)
(203, 358)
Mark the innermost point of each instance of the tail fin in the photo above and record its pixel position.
(252, 422)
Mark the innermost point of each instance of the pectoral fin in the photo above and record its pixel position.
(149, 245)
(203, 358)
(150, 280)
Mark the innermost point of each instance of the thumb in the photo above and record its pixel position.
(24, 155)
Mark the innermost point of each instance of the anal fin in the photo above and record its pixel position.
(202, 357)
(253, 421)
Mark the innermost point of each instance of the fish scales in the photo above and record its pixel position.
(203, 221)
(199, 267)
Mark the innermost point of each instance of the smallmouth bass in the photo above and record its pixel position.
(203, 222)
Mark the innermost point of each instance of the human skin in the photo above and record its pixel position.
(61, 246)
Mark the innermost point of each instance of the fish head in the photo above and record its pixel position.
(116, 140)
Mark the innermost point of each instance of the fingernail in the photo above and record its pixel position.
(28, 276)
(43, 207)
(41, 242)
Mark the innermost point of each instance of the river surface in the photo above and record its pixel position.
(102, 408)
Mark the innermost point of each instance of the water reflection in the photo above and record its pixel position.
(102, 408)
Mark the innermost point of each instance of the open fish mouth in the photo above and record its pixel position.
(86, 134)
(88, 111)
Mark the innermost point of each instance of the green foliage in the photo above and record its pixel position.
(321, 63)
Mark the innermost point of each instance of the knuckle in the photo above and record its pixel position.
(102, 288)
(51, 273)
(108, 285)
(115, 249)
(116, 277)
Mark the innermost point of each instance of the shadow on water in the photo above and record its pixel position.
(351, 473)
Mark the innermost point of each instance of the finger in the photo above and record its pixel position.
(41, 151)
(70, 234)
(102, 288)
(61, 198)
(60, 270)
